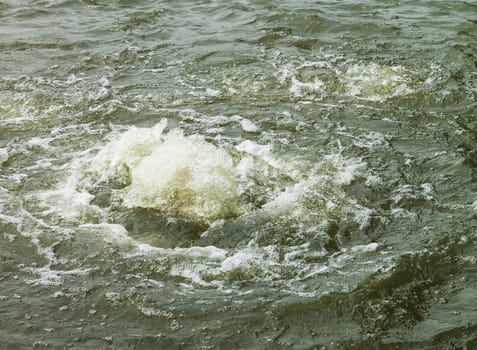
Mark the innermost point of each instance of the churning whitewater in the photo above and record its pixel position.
(238, 175)
(172, 191)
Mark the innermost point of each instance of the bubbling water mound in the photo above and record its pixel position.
(211, 216)
(186, 177)
(169, 190)
(181, 176)
(155, 182)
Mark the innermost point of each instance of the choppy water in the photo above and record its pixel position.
(238, 175)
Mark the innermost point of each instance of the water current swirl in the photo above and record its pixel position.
(238, 175)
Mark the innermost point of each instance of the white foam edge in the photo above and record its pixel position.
(4, 155)
(50, 277)
(248, 125)
(366, 248)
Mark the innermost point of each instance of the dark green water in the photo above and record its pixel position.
(238, 175)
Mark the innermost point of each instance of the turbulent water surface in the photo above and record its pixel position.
(238, 175)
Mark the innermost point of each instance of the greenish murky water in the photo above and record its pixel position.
(238, 175)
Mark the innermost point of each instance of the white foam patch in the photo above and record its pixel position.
(346, 170)
(40, 142)
(210, 252)
(368, 248)
(248, 125)
(4, 156)
(474, 205)
(112, 234)
(338, 76)
(287, 268)
(375, 82)
(212, 271)
(70, 204)
(263, 153)
(6, 198)
(149, 311)
(323, 187)
(50, 277)
(298, 86)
